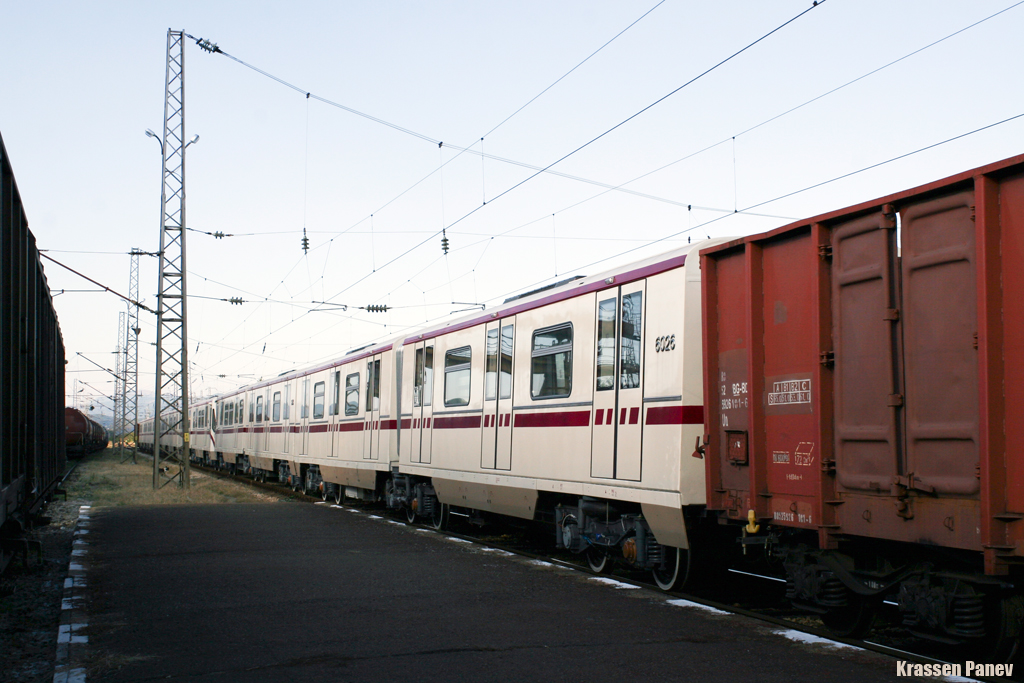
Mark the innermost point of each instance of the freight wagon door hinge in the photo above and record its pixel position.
(892, 314)
(827, 358)
(888, 218)
(825, 251)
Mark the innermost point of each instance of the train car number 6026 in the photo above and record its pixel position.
(666, 343)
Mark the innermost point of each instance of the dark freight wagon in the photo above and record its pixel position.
(864, 377)
(32, 456)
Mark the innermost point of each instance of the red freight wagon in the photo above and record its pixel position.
(863, 384)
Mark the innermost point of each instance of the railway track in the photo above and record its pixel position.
(741, 593)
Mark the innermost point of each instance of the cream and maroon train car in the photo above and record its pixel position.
(202, 431)
(332, 428)
(579, 403)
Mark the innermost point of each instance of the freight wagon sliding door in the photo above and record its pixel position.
(867, 383)
(618, 397)
(422, 393)
(940, 341)
(906, 373)
(496, 443)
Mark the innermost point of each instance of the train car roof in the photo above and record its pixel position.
(543, 296)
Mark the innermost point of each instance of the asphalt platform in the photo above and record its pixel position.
(292, 591)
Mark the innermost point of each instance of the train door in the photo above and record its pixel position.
(496, 442)
(618, 395)
(303, 440)
(250, 426)
(286, 411)
(422, 394)
(371, 425)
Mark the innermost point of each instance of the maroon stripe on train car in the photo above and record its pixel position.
(313, 429)
(576, 418)
(389, 424)
(460, 422)
(296, 429)
(406, 423)
(634, 415)
(676, 415)
(622, 416)
(276, 430)
(429, 419)
(350, 427)
(610, 416)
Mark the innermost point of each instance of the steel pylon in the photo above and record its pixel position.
(131, 357)
(171, 442)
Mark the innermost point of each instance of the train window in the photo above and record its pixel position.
(277, 406)
(213, 418)
(428, 375)
(552, 362)
(318, 400)
(287, 400)
(505, 367)
(423, 382)
(229, 412)
(606, 345)
(335, 392)
(417, 380)
(457, 363)
(305, 399)
(491, 371)
(241, 410)
(250, 411)
(629, 353)
(259, 409)
(352, 394)
(372, 385)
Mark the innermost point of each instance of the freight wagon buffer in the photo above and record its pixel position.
(863, 384)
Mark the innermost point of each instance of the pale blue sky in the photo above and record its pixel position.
(80, 82)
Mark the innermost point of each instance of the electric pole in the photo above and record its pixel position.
(171, 407)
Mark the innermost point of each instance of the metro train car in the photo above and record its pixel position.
(811, 402)
(82, 434)
(569, 404)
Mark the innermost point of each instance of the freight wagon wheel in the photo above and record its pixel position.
(598, 561)
(854, 620)
(676, 570)
(1002, 624)
(439, 519)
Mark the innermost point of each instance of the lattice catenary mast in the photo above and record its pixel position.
(172, 332)
(131, 356)
(117, 435)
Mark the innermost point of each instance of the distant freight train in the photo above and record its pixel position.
(83, 434)
(823, 408)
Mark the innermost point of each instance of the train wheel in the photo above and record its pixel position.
(439, 519)
(598, 561)
(339, 494)
(1002, 630)
(325, 491)
(676, 570)
(854, 620)
(410, 515)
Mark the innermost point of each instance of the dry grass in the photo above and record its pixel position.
(104, 481)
